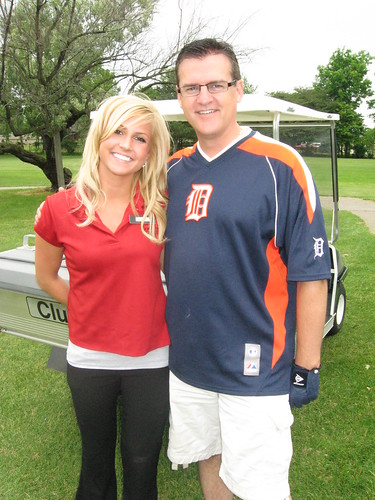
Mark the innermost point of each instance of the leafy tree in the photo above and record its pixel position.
(345, 85)
(306, 96)
(248, 87)
(340, 87)
(181, 132)
(60, 58)
(369, 142)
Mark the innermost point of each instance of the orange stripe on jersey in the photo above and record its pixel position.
(182, 152)
(279, 151)
(276, 299)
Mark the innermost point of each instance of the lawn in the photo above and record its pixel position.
(334, 437)
(356, 177)
(14, 172)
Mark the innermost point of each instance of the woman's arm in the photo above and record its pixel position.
(47, 264)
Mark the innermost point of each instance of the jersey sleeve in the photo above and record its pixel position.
(306, 241)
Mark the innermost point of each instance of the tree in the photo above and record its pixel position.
(181, 132)
(60, 58)
(306, 96)
(369, 142)
(248, 88)
(340, 87)
(345, 85)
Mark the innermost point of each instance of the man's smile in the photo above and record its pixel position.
(206, 111)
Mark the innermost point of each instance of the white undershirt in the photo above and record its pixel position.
(99, 360)
(243, 133)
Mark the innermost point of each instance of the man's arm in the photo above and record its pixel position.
(311, 313)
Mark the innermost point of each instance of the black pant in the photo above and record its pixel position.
(145, 405)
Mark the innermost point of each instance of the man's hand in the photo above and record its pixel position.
(38, 213)
(304, 386)
(40, 208)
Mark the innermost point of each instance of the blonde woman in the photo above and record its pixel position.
(110, 227)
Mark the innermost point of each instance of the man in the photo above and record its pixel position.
(247, 264)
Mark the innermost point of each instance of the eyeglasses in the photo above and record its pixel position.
(212, 87)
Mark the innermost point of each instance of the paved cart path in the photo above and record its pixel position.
(362, 208)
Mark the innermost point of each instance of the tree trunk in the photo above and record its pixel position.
(50, 167)
(47, 164)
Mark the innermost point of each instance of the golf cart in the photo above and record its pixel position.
(26, 311)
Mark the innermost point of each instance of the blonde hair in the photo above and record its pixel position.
(152, 179)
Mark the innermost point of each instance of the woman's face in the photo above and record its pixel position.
(126, 150)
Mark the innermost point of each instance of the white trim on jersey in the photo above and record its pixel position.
(306, 170)
(276, 197)
(174, 164)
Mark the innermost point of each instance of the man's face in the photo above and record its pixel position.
(213, 116)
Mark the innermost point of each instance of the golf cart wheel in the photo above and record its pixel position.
(340, 308)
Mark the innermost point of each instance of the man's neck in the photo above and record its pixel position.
(211, 148)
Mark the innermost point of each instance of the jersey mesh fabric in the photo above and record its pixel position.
(242, 230)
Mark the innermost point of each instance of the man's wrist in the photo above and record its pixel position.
(308, 364)
(311, 368)
(304, 385)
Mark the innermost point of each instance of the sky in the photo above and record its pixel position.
(291, 37)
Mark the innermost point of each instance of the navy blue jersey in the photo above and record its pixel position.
(242, 230)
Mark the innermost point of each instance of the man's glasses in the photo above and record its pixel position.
(213, 88)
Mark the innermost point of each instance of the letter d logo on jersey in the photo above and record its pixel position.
(197, 202)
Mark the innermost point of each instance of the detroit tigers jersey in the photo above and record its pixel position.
(242, 230)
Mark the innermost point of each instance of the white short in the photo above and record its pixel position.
(252, 433)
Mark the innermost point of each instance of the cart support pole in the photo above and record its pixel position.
(335, 185)
(276, 126)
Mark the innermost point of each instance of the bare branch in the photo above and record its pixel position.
(7, 17)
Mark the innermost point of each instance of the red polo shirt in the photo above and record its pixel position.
(116, 299)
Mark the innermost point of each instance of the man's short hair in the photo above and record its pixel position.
(198, 49)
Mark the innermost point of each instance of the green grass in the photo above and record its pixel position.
(14, 172)
(18, 209)
(334, 437)
(356, 177)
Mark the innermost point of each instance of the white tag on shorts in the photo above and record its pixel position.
(251, 363)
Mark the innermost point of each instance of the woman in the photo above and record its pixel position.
(110, 227)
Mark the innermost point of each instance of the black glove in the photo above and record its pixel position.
(304, 386)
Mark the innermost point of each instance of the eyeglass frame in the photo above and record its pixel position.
(229, 84)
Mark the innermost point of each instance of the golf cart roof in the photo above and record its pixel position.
(256, 108)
